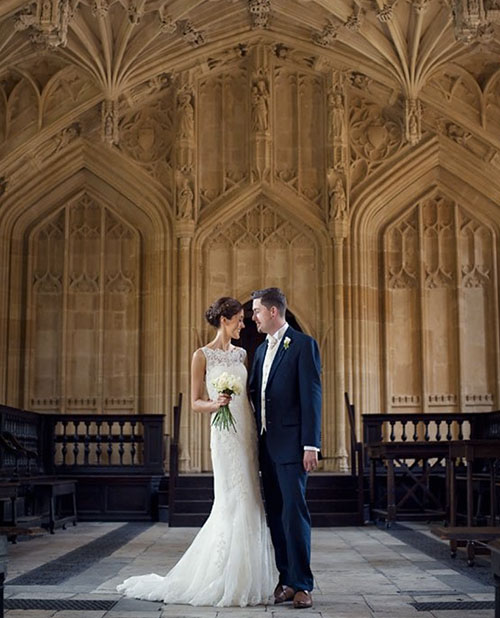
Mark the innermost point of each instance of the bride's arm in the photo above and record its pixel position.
(199, 397)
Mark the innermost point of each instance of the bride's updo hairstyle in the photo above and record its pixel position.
(225, 307)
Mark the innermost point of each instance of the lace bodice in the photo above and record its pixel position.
(232, 362)
(225, 358)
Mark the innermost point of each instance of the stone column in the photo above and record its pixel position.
(185, 213)
(184, 231)
(338, 223)
(338, 230)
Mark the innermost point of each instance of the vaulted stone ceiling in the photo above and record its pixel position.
(108, 49)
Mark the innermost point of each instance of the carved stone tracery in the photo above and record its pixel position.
(327, 36)
(48, 21)
(260, 12)
(421, 250)
(374, 136)
(84, 259)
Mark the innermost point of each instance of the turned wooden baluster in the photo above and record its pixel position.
(86, 448)
(121, 439)
(110, 442)
(76, 448)
(98, 440)
(133, 449)
(64, 449)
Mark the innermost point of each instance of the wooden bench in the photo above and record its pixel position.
(8, 494)
(471, 535)
(395, 456)
(49, 492)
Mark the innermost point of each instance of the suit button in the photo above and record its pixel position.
(268, 401)
(268, 423)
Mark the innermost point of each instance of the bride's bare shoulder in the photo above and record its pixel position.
(199, 355)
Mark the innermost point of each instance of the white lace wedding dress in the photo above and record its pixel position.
(230, 562)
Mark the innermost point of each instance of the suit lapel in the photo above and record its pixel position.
(279, 357)
(257, 366)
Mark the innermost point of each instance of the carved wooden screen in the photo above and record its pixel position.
(441, 313)
(83, 312)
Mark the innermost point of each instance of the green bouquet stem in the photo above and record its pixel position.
(223, 419)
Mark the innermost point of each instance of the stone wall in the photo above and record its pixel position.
(151, 162)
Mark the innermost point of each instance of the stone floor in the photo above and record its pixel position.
(364, 572)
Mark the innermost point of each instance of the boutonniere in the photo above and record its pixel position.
(286, 343)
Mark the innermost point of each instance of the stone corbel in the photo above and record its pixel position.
(100, 8)
(327, 36)
(189, 33)
(471, 20)
(385, 13)
(260, 13)
(135, 11)
(168, 25)
(184, 229)
(355, 19)
(48, 21)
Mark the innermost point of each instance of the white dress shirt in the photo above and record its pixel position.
(273, 344)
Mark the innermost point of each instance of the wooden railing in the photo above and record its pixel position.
(430, 427)
(117, 443)
(416, 447)
(356, 456)
(33, 443)
(174, 456)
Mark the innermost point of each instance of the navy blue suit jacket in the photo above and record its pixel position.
(293, 396)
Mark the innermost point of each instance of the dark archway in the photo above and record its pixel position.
(250, 338)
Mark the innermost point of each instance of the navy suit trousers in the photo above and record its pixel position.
(288, 518)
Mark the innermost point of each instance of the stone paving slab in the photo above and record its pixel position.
(360, 573)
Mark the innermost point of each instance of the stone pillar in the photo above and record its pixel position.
(338, 231)
(185, 213)
(338, 223)
(184, 231)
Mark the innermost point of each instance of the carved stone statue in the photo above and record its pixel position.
(338, 202)
(338, 116)
(413, 117)
(110, 122)
(46, 12)
(185, 200)
(186, 116)
(260, 106)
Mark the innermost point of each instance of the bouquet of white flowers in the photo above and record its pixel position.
(230, 385)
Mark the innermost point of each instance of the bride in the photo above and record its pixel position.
(230, 562)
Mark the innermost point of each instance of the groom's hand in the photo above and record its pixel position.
(310, 460)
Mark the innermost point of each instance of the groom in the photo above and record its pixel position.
(285, 387)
